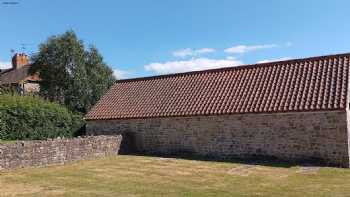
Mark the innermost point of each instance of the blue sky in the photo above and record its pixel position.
(150, 37)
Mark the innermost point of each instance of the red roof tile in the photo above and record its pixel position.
(318, 83)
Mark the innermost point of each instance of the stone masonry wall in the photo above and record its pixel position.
(56, 151)
(288, 136)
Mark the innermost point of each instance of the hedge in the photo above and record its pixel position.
(33, 118)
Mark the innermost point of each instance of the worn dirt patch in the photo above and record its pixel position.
(242, 170)
(183, 173)
(308, 170)
(166, 159)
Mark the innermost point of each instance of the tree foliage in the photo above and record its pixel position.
(28, 117)
(70, 73)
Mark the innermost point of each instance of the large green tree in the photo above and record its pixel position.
(71, 74)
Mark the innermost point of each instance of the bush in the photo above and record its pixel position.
(8, 90)
(29, 118)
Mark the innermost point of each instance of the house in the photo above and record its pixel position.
(19, 77)
(293, 110)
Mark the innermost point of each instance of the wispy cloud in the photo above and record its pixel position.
(204, 50)
(274, 60)
(192, 52)
(240, 49)
(190, 65)
(5, 65)
(120, 74)
(198, 62)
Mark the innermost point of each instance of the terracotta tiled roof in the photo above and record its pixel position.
(17, 75)
(310, 84)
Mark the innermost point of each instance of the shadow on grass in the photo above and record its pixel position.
(248, 160)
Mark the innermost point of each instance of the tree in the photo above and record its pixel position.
(71, 74)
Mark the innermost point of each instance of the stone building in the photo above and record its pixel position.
(294, 110)
(18, 77)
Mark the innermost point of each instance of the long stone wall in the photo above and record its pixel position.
(288, 136)
(56, 151)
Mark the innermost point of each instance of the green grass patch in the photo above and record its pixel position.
(153, 176)
(8, 141)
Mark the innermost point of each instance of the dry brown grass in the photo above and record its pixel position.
(152, 176)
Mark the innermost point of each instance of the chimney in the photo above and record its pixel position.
(19, 60)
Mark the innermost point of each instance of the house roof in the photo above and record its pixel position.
(17, 75)
(4, 70)
(309, 84)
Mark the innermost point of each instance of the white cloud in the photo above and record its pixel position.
(190, 65)
(248, 48)
(183, 52)
(5, 65)
(120, 74)
(230, 58)
(274, 60)
(205, 50)
(192, 52)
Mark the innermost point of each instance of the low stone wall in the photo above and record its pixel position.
(56, 151)
(299, 136)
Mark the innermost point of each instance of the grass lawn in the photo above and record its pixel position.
(153, 176)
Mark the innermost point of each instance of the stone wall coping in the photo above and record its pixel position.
(58, 139)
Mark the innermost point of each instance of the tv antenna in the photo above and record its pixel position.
(25, 46)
